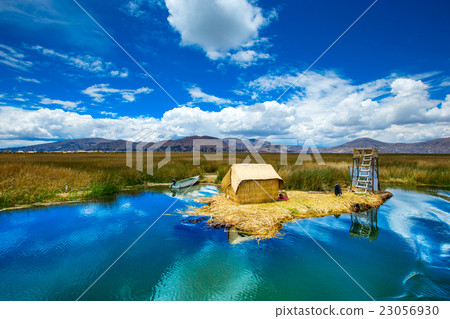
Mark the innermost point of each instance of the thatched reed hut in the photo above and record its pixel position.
(252, 183)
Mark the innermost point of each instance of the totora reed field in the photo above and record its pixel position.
(42, 178)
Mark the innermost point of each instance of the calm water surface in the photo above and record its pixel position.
(400, 252)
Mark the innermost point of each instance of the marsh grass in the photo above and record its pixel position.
(314, 178)
(26, 183)
(31, 178)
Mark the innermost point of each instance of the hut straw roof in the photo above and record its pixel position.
(239, 173)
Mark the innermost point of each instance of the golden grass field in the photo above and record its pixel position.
(42, 177)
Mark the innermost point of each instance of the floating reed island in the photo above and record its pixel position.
(264, 220)
(253, 202)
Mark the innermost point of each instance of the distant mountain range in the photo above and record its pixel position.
(63, 146)
(436, 146)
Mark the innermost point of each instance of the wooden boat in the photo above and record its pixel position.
(185, 182)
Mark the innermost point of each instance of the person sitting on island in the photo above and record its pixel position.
(282, 195)
(337, 190)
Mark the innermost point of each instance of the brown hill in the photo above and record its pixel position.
(185, 144)
(64, 146)
(437, 146)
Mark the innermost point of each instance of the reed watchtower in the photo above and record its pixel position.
(364, 171)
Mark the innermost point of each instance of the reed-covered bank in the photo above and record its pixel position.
(31, 178)
(265, 220)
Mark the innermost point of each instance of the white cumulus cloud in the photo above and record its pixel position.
(324, 107)
(68, 105)
(217, 26)
(43, 123)
(199, 96)
(330, 108)
(245, 58)
(108, 113)
(99, 91)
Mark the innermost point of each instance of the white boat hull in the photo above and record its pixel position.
(186, 182)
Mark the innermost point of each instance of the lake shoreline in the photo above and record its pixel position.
(79, 197)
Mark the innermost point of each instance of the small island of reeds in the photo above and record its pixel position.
(266, 219)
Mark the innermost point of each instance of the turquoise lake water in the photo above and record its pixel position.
(399, 252)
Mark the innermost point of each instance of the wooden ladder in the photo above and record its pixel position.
(364, 180)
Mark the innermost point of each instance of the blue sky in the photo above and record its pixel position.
(224, 65)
